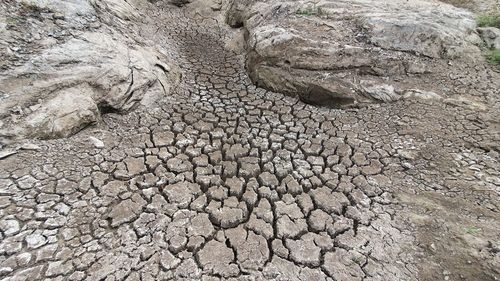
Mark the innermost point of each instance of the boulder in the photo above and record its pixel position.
(342, 52)
(62, 67)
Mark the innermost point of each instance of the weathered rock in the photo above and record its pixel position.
(61, 86)
(490, 36)
(63, 115)
(29, 146)
(96, 142)
(380, 92)
(73, 9)
(324, 52)
(123, 9)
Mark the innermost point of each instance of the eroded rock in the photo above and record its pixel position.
(323, 52)
(62, 86)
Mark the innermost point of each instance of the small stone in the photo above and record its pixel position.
(96, 142)
(30, 146)
(58, 16)
(418, 94)
(381, 92)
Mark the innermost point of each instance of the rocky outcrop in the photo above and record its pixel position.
(344, 52)
(66, 62)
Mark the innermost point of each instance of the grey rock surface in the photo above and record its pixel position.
(66, 66)
(491, 36)
(324, 52)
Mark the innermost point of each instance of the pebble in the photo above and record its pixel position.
(30, 146)
(97, 142)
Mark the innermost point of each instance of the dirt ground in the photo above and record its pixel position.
(226, 181)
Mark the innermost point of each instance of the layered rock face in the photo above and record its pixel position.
(63, 63)
(345, 52)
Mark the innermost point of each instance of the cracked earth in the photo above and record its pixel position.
(224, 180)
